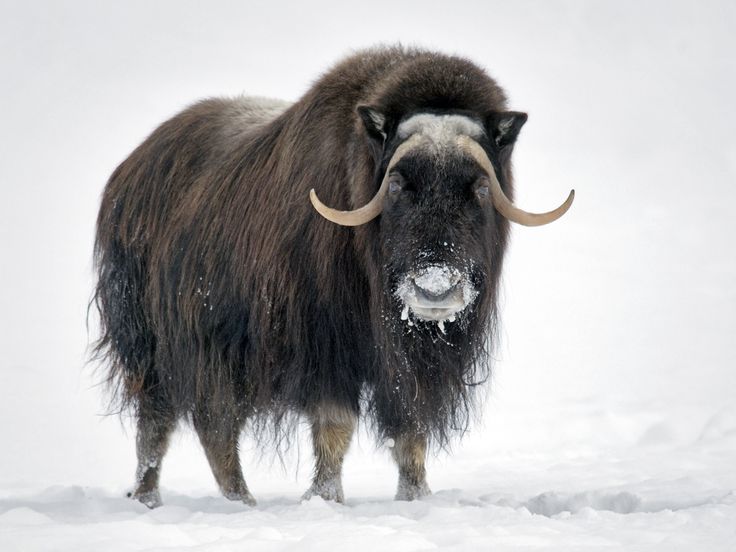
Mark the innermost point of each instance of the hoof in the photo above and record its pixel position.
(412, 492)
(150, 499)
(245, 497)
(328, 490)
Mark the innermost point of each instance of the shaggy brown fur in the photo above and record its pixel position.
(225, 298)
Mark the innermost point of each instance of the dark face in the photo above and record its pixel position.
(438, 226)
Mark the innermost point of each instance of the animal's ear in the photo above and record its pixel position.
(503, 127)
(374, 122)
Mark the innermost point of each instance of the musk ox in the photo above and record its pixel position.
(230, 299)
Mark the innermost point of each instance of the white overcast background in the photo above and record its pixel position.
(611, 418)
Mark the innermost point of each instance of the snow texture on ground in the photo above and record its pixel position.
(656, 493)
(611, 419)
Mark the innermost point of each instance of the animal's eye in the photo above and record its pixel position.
(481, 188)
(395, 184)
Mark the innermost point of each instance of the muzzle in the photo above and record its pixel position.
(435, 293)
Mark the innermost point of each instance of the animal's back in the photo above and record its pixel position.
(148, 186)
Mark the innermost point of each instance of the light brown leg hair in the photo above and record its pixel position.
(152, 441)
(332, 431)
(220, 442)
(409, 452)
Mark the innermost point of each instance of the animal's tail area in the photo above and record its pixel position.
(126, 346)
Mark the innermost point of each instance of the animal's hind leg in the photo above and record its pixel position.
(152, 440)
(409, 452)
(219, 436)
(332, 431)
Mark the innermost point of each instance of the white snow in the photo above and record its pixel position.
(435, 279)
(573, 493)
(611, 417)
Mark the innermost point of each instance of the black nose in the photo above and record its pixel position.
(434, 295)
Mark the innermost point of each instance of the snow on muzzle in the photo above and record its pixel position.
(435, 293)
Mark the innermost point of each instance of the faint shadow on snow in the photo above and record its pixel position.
(552, 504)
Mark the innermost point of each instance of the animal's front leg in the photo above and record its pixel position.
(409, 452)
(332, 430)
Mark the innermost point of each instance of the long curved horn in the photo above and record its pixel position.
(500, 201)
(373, 208)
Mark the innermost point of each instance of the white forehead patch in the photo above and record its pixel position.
(440, 130)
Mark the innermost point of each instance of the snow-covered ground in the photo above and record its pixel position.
(605, 483)
(611, 418)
